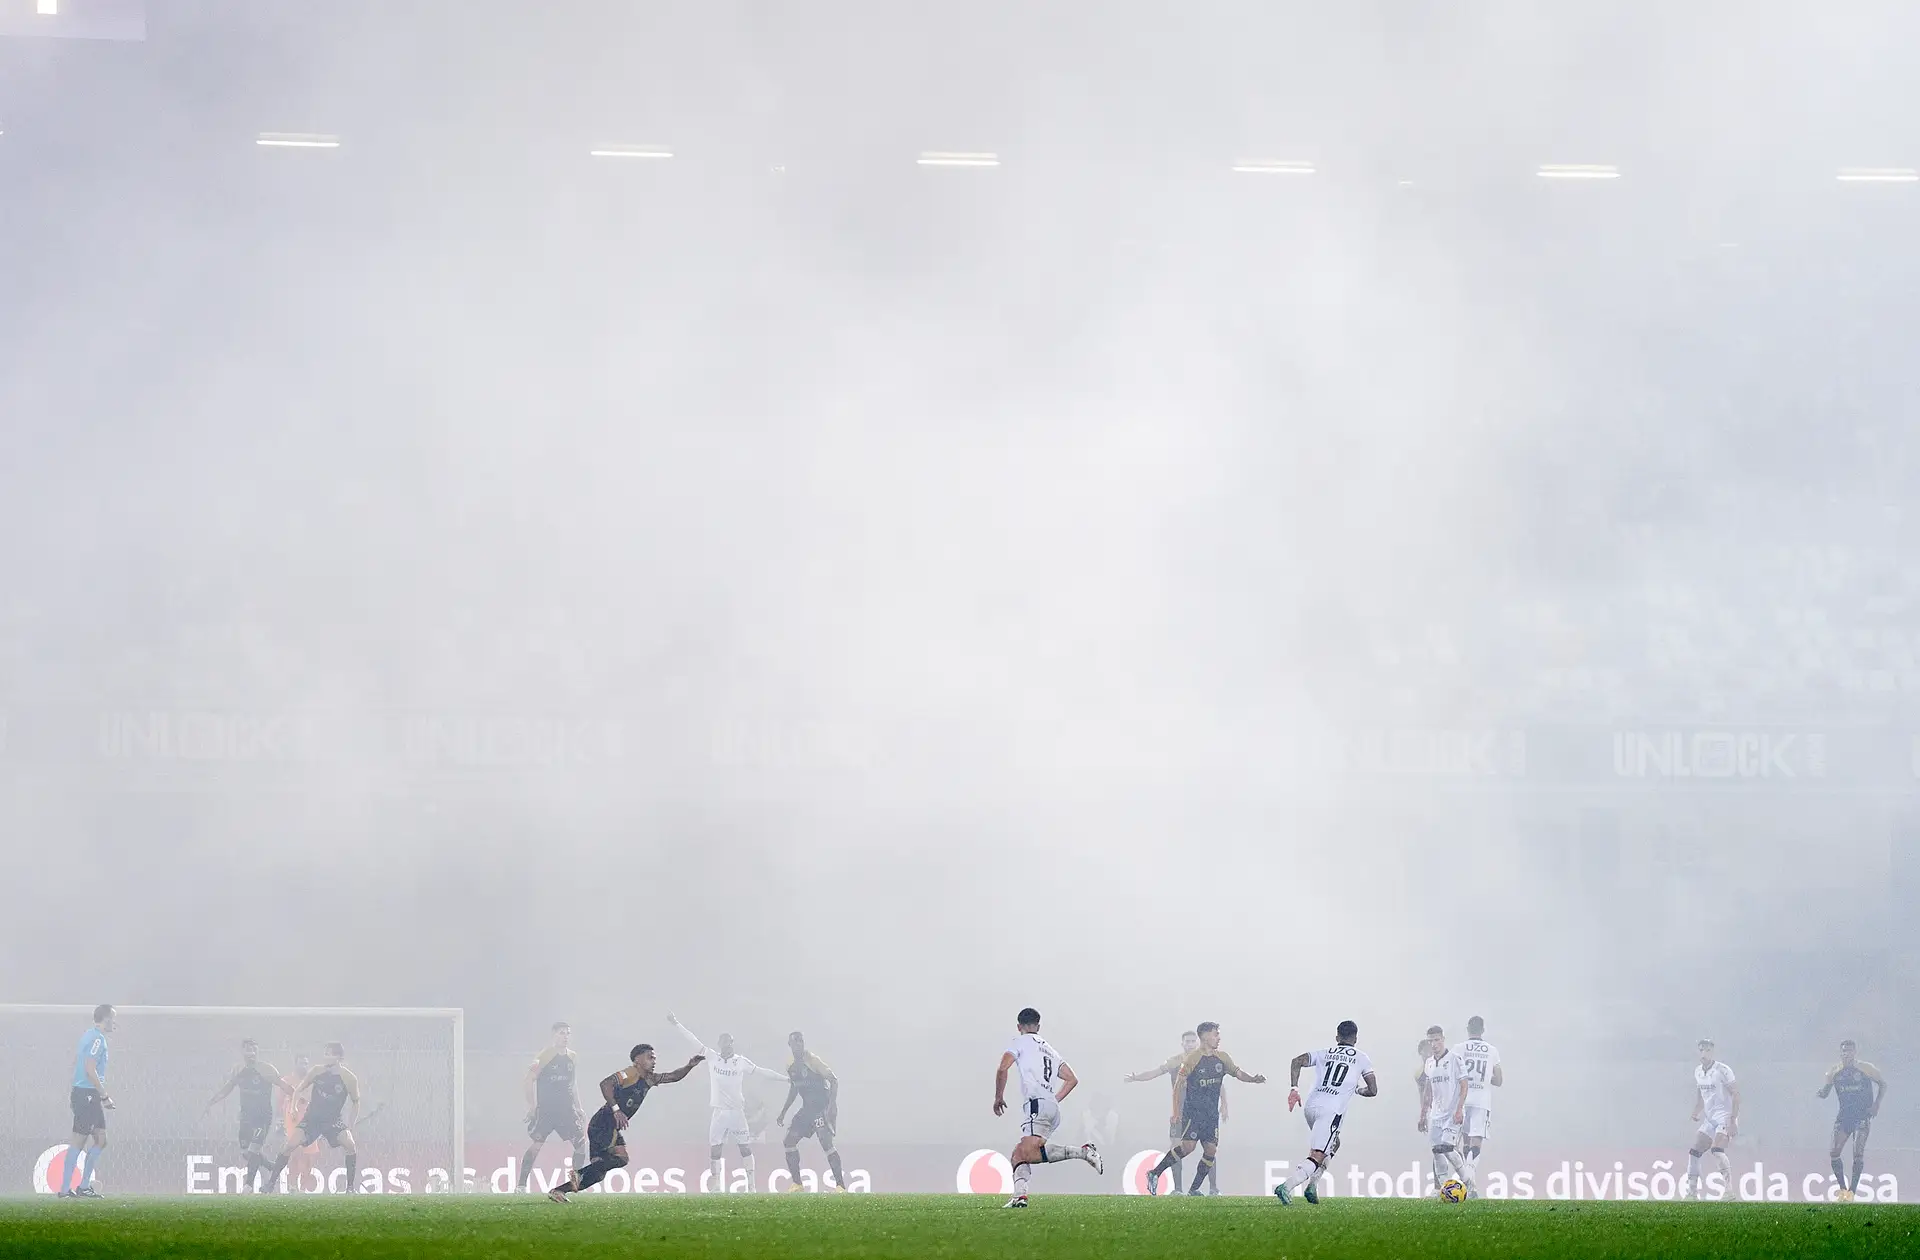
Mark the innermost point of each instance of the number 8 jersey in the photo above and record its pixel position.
(1337, 1072)
(1039, 1064)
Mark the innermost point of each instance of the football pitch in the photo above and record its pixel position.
(1066, 1227)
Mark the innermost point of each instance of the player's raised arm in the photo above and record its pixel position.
(1149, 1074)
(999, 1083)
(1236, 1071)
(700, 1047)
(755, 1069)
(1067, 1081)
(679, 1073)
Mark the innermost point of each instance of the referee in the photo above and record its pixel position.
(90, 1106)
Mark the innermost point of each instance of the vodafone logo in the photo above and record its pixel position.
(53, 1162)
(984, 1172)
(1135, 1182)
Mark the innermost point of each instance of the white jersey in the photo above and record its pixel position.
(1038, 1064)
(727, 1078)
(1443, 1074)
(1481, 1058)
(1716, 1088)
(1337, 1072)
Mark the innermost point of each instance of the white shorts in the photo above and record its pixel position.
(728, 1126)
(1443, 1132)
(1039, 1117)
(1478, 1120)
(1323, 1124)
(1714, 1123)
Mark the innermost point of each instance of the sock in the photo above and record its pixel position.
(793, 1163)
(1306, 1174)
(253, 1170)
(716, 1176)
(1169, 1160)
(1839, 1172)
(1213, 1177)
(592, 1174)
(76, 1155)
(353, 1171)
(1021, 1176)
(526, 1165)
(1693, 1165)
(279, 1166)
(1200, 1174)
(839, 1174)
(1460, 1168)
(1473, 1160)
(1723, 1166)
(753, 1182)
(87, 1164)
(1053, 1152)
(1179, 1165)
(1859, 1161)
(1439, 1168)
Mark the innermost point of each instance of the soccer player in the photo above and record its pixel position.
(553, 1106)
(1341, 1070)
(624, 1091)
(1042, 1073)
(90, 1106)
(256, 1082)
(1861, 1089)
(1189, 1040)
(813, 1083)
(1483, 1074)
(1201, 1073)
(1716, 1118)
(293, 1109)
(333, 1104)
(727, 1075)
(1443, 1103)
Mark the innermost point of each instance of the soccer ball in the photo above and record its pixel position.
(1453, 1190)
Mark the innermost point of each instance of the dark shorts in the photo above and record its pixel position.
(88, 1115)
(1204, 1127)
(253, 1132)
(809, 1122)
(555, 1123)
(311, 1131)
(1852, 1126)
(602, 1138)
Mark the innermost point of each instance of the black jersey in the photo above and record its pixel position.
(255, 1088)
(326, 1101)
(814, 1079)
(1206, 1071)
(630, 1090)
(1854, 1089)
(553, 1086)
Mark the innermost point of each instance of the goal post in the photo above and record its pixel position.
(165, 1062)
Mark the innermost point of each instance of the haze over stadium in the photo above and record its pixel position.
(863, 518)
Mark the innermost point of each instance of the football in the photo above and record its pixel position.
(1453, 1190)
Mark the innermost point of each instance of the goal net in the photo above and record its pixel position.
(165, 1062)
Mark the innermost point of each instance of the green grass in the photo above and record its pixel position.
(1066, 1227)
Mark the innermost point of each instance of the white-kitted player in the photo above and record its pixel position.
(727, 1075)
(1045, 1079)
(1339, 1072)
(1716, 1118)
(1483, 1075)
(1443, 1106)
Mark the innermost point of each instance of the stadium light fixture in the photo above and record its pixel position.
(47, 8)
(295, 140)
(1577, 170)
(1878, 175)
(938, 157)
(1264, 166)
(629, 151)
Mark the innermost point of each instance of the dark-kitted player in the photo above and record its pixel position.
(333, 1104)
(255, 1082)
(813, 1084)
(624, 1091)
(1201, 1074)
(1861, 1088)
(553, 1105)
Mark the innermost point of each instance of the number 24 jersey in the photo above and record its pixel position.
(1338, 1071)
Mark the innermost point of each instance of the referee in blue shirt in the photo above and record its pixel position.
(90, 1106)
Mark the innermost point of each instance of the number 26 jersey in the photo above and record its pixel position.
(1337, 1072)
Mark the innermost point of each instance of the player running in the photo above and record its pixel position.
(333, 1104)
(90, 1107)
(1189, 1040)
(727, 1075)
(1861, 1089)
(1443, 1102)
(553, 1105)
(1041, 1070)
(1201, 1073)
(1341, 1070)
(624, 1091)
(813, 1083)
(1716, 1118)
(1483, 1074)
(256, 1082)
